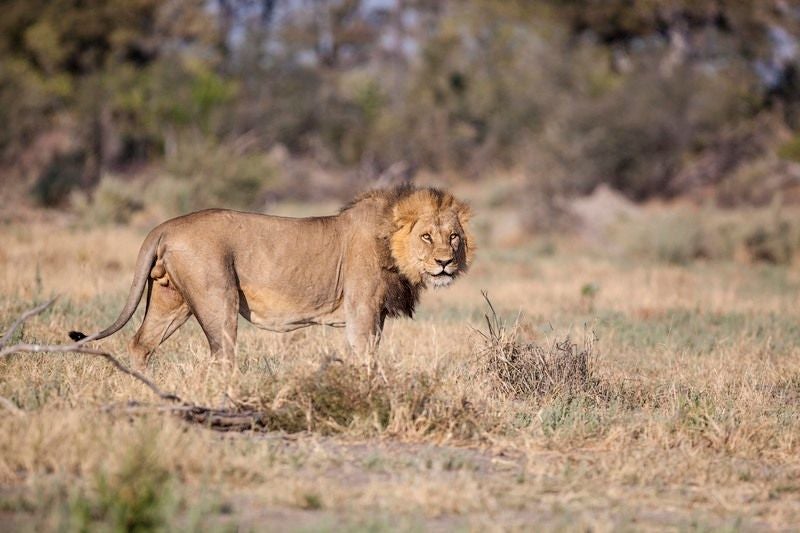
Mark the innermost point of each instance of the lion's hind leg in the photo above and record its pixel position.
(214, 302)
(166, 311)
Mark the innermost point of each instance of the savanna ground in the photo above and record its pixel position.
(685, 415)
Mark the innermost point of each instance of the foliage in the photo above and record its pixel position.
(64, 173)
(114, 201)
(213, 175)
(637, 94)
(791, 149)
(638, 136)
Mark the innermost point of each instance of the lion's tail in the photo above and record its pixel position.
(145, 261)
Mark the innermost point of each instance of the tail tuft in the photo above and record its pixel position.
(77, 335)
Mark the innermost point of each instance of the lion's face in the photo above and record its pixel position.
(431, 243)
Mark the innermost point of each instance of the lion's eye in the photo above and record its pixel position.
(427, 237)
(453, 237)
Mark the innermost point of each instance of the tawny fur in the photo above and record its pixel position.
(352, 269)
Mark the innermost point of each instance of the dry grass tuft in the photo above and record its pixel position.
(342, 398)
(525, 370)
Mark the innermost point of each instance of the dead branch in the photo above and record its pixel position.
(77, 347)
(218, 419)
(22, 318)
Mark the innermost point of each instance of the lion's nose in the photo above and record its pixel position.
(444, 262)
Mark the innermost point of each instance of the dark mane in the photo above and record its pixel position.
(402, 296)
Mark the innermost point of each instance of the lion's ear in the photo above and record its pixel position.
(464, 214)
(404, 214)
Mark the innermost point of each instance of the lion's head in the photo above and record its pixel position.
(431, 242)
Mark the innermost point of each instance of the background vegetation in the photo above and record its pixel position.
(240, 102)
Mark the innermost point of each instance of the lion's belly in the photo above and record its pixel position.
(277, 310)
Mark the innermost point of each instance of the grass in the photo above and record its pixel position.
(681, 413)
(682, 235)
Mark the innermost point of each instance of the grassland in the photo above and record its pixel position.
(688, 417)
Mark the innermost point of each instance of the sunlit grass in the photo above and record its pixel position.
(687, 415)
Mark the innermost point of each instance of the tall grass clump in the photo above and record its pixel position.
(526, 370)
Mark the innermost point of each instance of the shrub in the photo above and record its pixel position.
(58, 179)
(639, 134)
(791, 149)
(203, 175)
(755, 183)
(776, 242)
(683, 236)
(113, 202)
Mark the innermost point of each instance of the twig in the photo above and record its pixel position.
(218, 419)
(485, 294)
(23, 317)
(492, 333)
(77, 347)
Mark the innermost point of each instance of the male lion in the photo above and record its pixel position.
(352, 269)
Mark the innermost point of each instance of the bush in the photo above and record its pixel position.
(203, 175)
(777, 242)
(638, 135)
(683, 236)
(790, 150)
(114, 202)
(64, 174)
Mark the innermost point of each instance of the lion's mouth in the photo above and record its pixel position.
(442, 278)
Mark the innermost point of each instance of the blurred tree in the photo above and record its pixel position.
(630, 92)
(87, 68)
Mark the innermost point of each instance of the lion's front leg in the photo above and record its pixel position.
(363, 325)
(363, 329)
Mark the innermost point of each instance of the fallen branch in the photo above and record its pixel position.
(219, 419)
(22, 318)
(75, 347)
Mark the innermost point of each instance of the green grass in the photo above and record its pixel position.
(700, 333)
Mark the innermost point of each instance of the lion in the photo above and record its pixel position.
(353, 269)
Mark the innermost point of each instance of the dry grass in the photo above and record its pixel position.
(529, 371)
(343, 398)
(680, 411)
